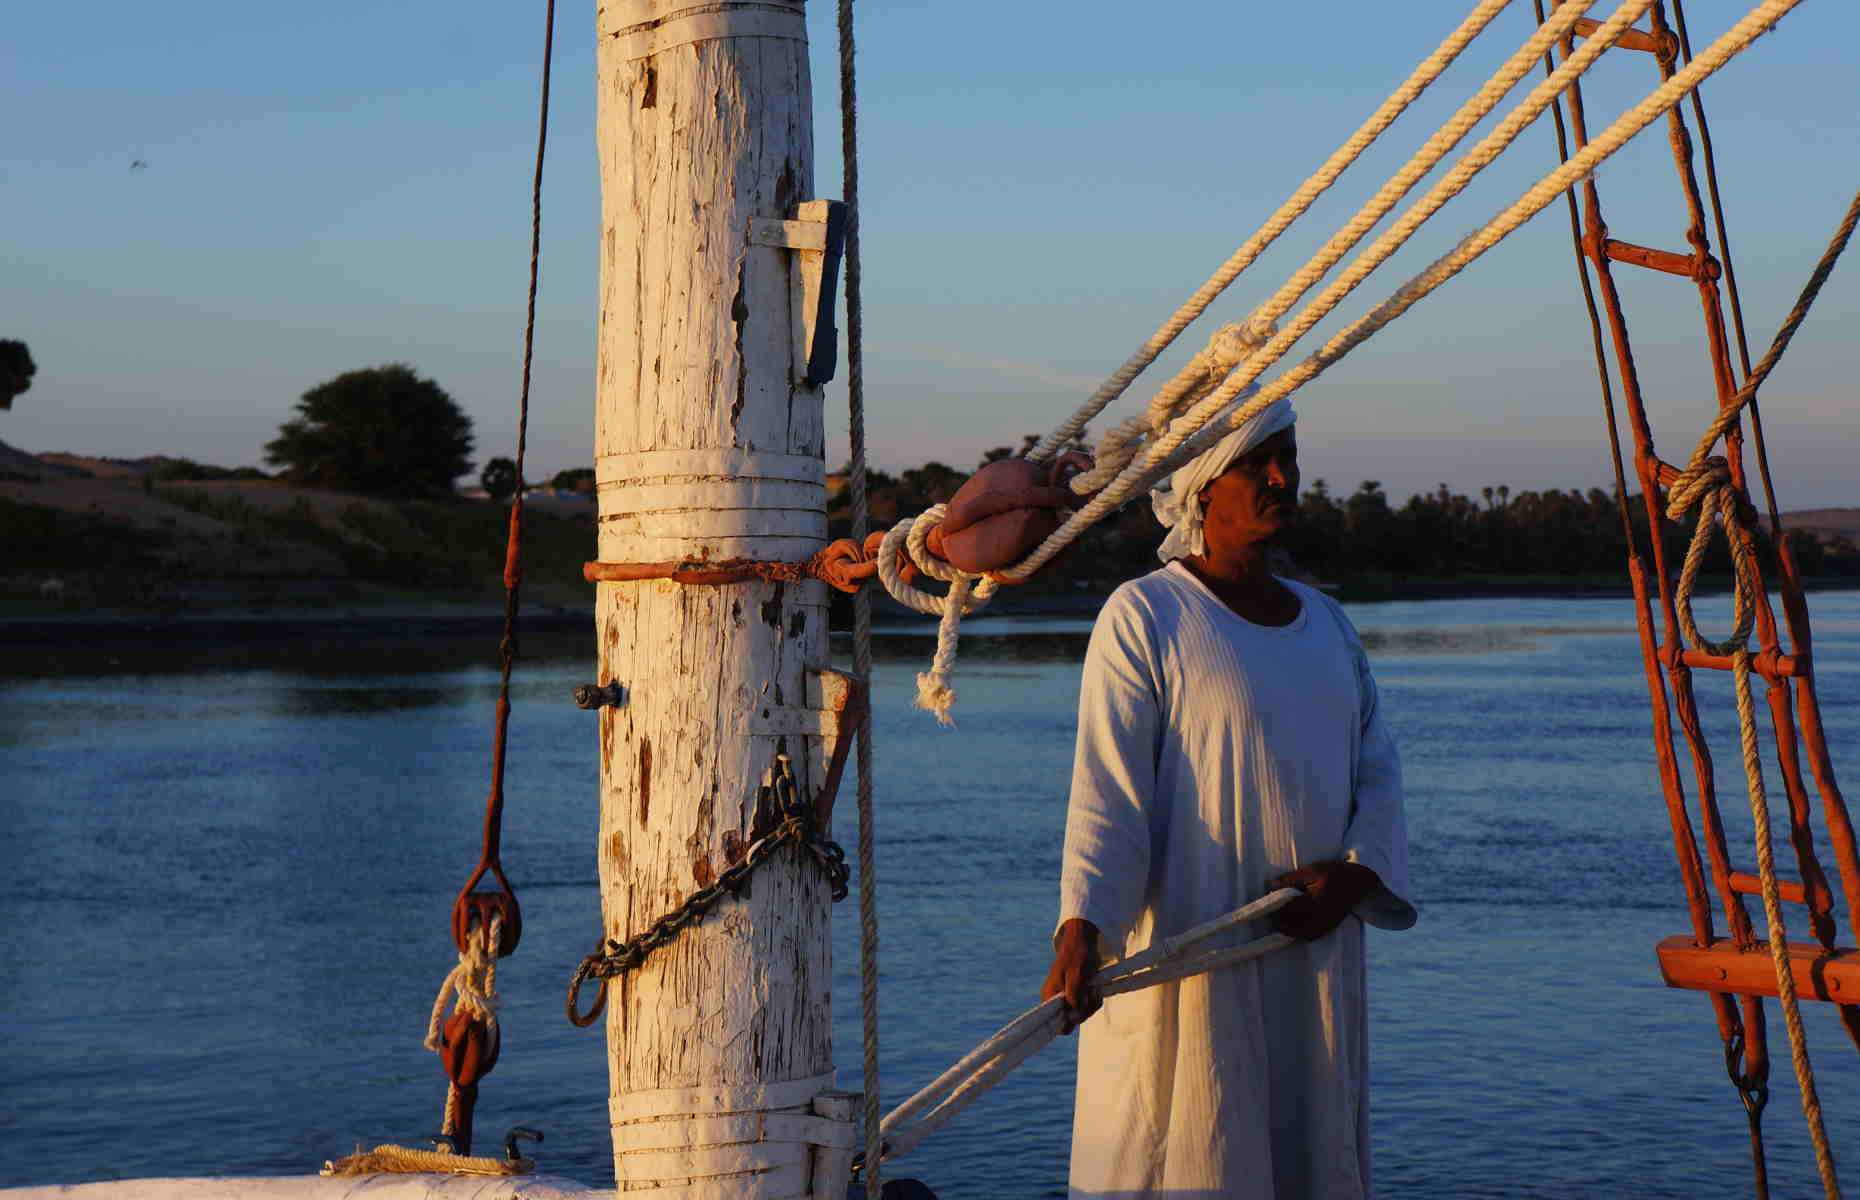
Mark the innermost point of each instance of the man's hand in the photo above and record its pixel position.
(1331, 889)
(1075, 961)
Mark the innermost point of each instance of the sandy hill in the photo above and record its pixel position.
(89, 534)
(1826, 523)
(19, 464)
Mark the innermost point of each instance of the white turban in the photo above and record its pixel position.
(1175, 501)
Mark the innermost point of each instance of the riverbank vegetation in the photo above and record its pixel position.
(174, 536)
(1435, 543)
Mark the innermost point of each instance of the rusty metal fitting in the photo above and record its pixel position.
(609, 695)
(844, 564)
(519, 1132)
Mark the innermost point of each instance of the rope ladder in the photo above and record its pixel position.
(1739, 970)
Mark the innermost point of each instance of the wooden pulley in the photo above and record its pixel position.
(1005, 510)
(476, 909)
(468, 1048)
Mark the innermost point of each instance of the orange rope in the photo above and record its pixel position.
(844, 563)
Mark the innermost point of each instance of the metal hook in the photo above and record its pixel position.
(518, 1132)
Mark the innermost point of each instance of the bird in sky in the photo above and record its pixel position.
(138, 165)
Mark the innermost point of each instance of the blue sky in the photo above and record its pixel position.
(347, 185)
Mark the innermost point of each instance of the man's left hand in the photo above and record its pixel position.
(1331, 889)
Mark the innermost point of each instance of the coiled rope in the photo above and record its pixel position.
(1706, 485)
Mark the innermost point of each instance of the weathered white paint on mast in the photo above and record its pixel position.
(707, 448)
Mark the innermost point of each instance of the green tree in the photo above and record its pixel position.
(382, 430)
(16, 370)
(499, 478)
(573, 479)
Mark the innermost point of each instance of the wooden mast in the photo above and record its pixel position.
(708, 446)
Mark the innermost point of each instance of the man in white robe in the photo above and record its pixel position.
(1229, 742)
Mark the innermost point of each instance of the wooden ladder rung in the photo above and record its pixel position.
(1750, 885)
(1769, 666)
(1722, 967)
(1632, 39)
(1688, 266)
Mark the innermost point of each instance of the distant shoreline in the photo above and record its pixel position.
(446, 621)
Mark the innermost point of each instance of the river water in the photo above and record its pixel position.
(227, 876)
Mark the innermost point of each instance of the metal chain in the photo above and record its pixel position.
(615, 957)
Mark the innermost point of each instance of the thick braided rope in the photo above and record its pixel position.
(1705, 484)
(474, 981)
(409, 1160)
(1226, 349)
(966, 594)
(1440, 144)
(933, 691)
(1785, 333)
(979, 1070)
(1295, 207)
(1715, 489)
(1150, 465)
(862, 600)
(897, 545)
(1140, 476)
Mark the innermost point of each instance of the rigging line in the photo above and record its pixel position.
(1595, 318)
(1705, 482)
(1727, 416)
(1437, 147)
(1730, 275)
(513, 551)
(862, 600)
(1745, 1077)
(506, 652)
(1711, 185)
(1148, 465)
(1191, 380)
(1300, 201)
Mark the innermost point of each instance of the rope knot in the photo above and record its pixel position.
(1704, 483)
(473, 982)
(1695, 485)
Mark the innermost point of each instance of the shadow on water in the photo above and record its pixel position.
(315, 648)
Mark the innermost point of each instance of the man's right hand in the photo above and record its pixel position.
(1075, 961)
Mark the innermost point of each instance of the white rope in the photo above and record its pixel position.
(980, 1069)
(933, 691)
(474, 981)
(966, 594)
(1229, 346)
(1455, 181)
(1149, 466)
(1441, 143)
(890, 568)
(1437, 147)
(1301, 200)
(472, 984)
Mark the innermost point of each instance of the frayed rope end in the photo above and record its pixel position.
(935, 696)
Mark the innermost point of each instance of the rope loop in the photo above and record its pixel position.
(917, 540)
(1706, 485)
(892, 552)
